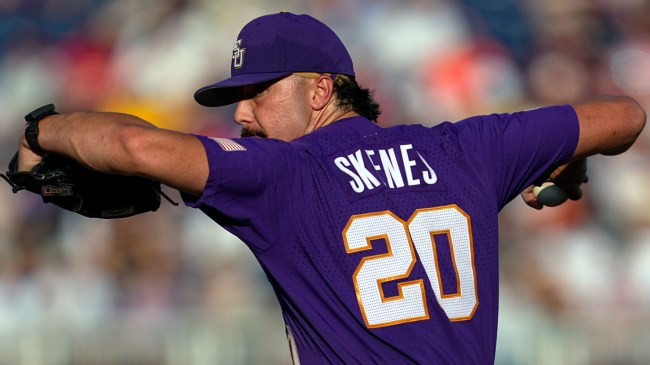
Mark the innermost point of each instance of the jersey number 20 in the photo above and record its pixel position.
(403, 239)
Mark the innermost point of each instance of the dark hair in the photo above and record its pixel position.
(352, 96)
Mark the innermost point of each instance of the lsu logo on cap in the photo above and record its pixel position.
(238, 54)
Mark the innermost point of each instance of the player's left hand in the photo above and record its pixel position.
(569, 176)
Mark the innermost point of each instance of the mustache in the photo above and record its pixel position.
(245, 132)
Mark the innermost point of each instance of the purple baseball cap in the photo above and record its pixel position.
(274, 46)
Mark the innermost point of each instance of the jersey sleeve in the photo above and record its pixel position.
(249, 185)
(519, 149)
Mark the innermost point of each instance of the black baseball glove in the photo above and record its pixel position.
(71, 186)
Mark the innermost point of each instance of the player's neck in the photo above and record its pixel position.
(329, 116)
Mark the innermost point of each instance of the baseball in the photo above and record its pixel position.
(550, 194)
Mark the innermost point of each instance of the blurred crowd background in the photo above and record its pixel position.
(172, 288)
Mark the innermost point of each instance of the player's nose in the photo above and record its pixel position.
(243, 113)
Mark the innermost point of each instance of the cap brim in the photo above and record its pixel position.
(228, 91)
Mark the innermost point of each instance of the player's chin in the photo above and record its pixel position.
(246, 132)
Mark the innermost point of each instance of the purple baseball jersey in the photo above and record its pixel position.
(382, 243)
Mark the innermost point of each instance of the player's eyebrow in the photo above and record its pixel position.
(249, 91)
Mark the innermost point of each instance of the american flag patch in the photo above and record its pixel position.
(229, 145)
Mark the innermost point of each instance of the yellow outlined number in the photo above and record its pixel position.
(403, 239)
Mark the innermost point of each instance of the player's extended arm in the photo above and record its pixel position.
(122, 144)
(609, 125)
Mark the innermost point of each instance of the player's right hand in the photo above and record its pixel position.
(569, 177)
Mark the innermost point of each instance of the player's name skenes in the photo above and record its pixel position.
(394, 169)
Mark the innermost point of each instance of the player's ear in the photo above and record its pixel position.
(322, 92)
